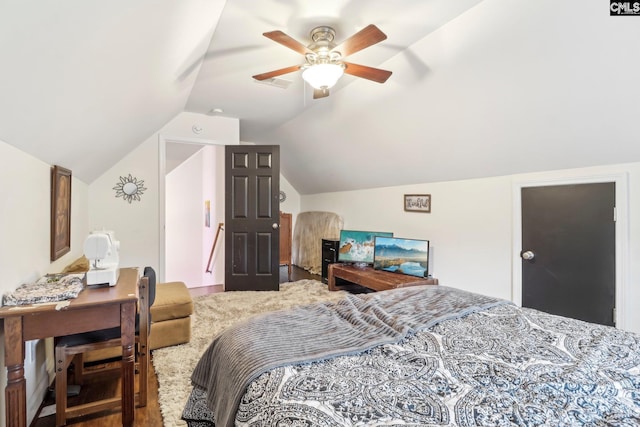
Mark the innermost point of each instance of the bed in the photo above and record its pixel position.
(420, 356)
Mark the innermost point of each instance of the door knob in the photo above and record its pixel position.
(274, 225)
(527, 255)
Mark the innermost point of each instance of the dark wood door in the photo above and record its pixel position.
(252, 237)
(568, 250)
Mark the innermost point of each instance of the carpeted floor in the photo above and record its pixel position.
(212, 314)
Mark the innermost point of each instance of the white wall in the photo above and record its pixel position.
(467, 217)
(25, 253)
(137, 225)
(470, 227)
(184, 222)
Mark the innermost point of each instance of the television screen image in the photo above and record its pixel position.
(406, 256)
(357, 246)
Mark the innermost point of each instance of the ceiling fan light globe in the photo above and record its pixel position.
(322, 76)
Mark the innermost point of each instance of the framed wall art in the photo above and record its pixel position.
(60, 212)
(417, 203)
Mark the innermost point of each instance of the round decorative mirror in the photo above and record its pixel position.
(283, 196)
(129, 188)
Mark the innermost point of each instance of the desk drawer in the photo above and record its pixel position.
(66, 322)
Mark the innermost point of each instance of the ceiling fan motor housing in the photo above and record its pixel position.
(322, 44)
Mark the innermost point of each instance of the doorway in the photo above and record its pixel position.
(191, 202)
(547, 257)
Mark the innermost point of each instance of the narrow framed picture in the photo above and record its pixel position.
(60, 212)
(417, 203)
(207, 213)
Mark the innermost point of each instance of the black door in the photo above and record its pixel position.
(252, 237)
(568, 250)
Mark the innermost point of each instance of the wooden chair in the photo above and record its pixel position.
(70, 348)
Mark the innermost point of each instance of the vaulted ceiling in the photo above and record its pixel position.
(479, 87)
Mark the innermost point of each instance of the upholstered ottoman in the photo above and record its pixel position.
(170, 320)
(171, 315)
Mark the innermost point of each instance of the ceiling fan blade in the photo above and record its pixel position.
(320, 93)
(275, 73)
(366, 37)
(285, 40)
(369, 73)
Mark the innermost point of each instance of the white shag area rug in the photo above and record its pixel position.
(212, 314)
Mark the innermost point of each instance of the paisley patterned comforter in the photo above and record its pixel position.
(499, 366)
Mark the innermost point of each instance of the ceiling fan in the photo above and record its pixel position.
(324, 63)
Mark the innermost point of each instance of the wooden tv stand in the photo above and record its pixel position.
(368, 277)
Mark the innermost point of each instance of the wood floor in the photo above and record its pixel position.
(107, 386)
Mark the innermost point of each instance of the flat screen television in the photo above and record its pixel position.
(405, 256)
(357, 246)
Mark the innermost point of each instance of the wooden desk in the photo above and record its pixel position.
(94, 309)
(368, 277)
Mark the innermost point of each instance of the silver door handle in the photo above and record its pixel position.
(274, 225)
(527, 255)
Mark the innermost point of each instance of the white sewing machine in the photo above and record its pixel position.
(101, 249)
